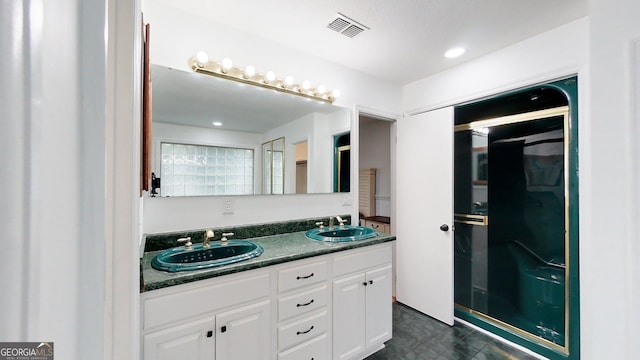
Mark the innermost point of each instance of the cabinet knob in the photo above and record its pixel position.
(223, 329)
(444, 227)
(209, 333)
(370, 282)
(364, 283)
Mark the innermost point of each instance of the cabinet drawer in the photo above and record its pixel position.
(302, 330)
(378, 226)
(359, 260)
(183, 305)
(315, 349)
(302, 303)
(302, 275)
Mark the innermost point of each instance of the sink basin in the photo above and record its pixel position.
(178, 259)
(341, 234)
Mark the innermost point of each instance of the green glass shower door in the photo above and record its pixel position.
(511, 221)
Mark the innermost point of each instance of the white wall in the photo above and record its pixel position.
(610, 252)
(190, 213)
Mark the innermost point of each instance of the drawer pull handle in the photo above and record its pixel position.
(304, 277)
(306, 304)
(304, 332)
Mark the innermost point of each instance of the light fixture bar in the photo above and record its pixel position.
(266, 81)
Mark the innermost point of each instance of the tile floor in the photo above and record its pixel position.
(417, 336)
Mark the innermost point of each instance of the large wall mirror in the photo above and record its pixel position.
(208, 136)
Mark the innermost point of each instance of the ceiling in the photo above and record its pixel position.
(406, 39)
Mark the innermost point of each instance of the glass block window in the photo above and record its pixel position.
(196, 170)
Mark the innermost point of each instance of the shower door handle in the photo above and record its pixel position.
(444, 227)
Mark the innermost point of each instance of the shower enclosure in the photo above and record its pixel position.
(515, 240)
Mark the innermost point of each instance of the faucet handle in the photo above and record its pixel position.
(340, 221)
(320, 224)
(224, 237)
(187, 240)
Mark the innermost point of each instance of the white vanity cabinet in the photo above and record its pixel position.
(243, 333)
(303, 314)
(361, 302)
(192, 340)
(225, 318)
(333, 306)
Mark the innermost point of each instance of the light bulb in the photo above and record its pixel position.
(271, 76)
(202, 58)
(306, 85)
(249, 71)
(335, 93)
(226, 64)
(321, 89)
(288, 81)
(217, 123)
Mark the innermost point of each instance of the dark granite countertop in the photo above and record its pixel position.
(278, 249)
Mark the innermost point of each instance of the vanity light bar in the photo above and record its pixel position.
(225, 69)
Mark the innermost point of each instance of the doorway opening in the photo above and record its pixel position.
(374, 162)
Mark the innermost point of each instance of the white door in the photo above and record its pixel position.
(348, 316)
(190, 341)
(244, 333)
(378, 306)
(424, 213)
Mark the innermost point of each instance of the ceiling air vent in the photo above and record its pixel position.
(346, 26)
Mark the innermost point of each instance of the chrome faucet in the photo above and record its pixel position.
(331, 222)
(207, 238)
(223, 241)
(187, 240)
(340, 221)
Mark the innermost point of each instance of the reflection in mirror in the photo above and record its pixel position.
(208, 135)
(343, 163)
(273, 166)
(301, 167)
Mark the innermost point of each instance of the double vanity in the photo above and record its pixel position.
(304, 292)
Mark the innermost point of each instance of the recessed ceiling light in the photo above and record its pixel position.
(454, 52)
(217, 123)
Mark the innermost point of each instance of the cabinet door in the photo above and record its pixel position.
(244, 333)
(190, 341)
(378, 306)
(348, 316)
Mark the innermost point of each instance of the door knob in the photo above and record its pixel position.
(444, 227)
